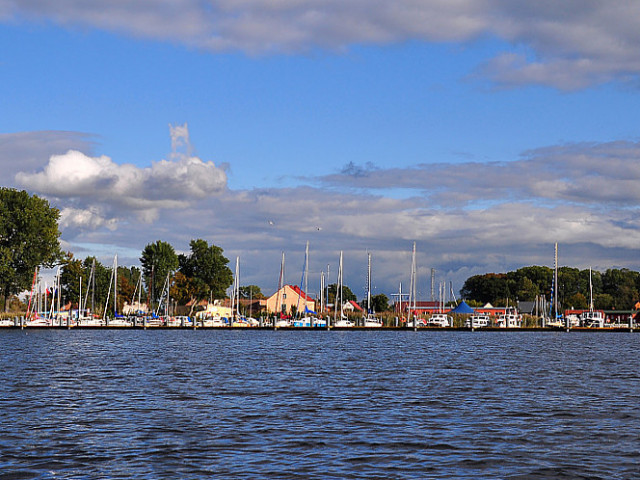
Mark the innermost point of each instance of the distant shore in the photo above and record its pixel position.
(340, 329)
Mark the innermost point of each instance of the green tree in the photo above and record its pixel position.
(98, 287)
(621, 285)
(251, 291)
(489, 287)
(347, 294)
(207, 266)
(158, 260)
(527, 290)
(29, 237)
(183, 289)
(380, 302)
(71, 273)
(577, 301)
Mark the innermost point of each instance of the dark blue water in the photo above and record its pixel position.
(322, 405)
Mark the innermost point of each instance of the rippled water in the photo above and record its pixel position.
(330, 405)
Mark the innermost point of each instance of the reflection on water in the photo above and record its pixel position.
(325, 405)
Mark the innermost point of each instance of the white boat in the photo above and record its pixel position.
(370, 321)
(593, 319)
(440, 320)
(303, 322)
(118, 322)
(7, 322)
(319, 322)
(39, 322)
(216, 321)
(554, 323)
(253, 322)
(343, 322)
(282, 322)
(574, 320)
(510, 319)
(478, 321)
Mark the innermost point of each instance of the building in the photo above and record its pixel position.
(352, 306)
(288, 299)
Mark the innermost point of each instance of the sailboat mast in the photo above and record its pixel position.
(555, 282)
(341, 282)
(590, 292)
(277, 308)
(93, 285)
(306, 275)
(412, 286)
(236, 290)
(115, 285)
(369, 283)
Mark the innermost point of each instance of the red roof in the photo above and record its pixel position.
(303, 295)
(356, 306)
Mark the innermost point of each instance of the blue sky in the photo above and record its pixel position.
(484, 130)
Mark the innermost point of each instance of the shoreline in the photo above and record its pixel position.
(339, 329)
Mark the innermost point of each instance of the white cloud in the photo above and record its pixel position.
(87, 185)
(569, 44)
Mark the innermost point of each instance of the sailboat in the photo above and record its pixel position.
(236, 319)
(440, 318)
(555, 321)
(412, 320)
(303, 319)
(280, 321)
(34, 319)
(370, 321)
(117, 320)
(343, 321)
(592, 318)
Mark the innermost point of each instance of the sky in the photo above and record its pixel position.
(483, 130)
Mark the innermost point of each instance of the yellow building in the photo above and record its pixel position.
(290, 297)
(215, 309)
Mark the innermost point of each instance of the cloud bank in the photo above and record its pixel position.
(466, 218)
(567, 45)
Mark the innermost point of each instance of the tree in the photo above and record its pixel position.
(485, 288)
(71, 272)
(207, 266)
(251, 291)
(29, 237)
(577, 301)
(527, 290)
(158, 260)
(347, 294)
(183, 289)
(97, 289)
(380, 302)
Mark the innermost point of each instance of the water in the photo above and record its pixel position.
(318, 405)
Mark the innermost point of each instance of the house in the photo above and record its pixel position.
(288, 299)
(352, 306)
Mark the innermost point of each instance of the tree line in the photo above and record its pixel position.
(614, 289)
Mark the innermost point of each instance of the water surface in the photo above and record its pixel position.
(323, 405)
